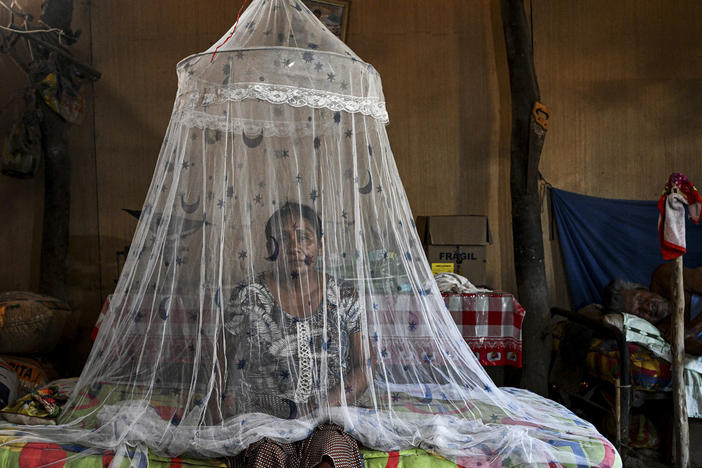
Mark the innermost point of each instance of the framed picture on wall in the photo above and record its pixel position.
(333, 13)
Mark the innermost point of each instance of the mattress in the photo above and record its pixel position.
(597, 450)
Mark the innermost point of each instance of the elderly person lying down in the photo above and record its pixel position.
(653, 304)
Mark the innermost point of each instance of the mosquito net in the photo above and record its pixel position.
(276, 280)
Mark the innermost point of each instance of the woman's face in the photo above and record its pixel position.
(299, 245)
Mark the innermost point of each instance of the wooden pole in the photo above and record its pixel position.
(57, 204)
(529, 126)
(57, 172)
(618, 410)
(681, 430)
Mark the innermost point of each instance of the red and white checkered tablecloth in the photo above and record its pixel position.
(491, 324)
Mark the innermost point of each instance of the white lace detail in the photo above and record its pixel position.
(205, 120)
(304, 353)
(292, 95)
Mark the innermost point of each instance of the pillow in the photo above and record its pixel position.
(639, 330)
(31, 323)
(30, 372)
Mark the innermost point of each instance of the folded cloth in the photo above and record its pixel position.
(678, 192)
(42, 406)
(454, 283)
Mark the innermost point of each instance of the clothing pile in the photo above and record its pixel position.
(455, 283)
(32, 328)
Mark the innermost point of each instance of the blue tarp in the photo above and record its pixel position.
(602, 239)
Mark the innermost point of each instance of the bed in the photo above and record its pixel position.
(628, 353)
(598, 451)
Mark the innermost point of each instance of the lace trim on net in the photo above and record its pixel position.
(251, 127)
(292, 95)
(304, 353)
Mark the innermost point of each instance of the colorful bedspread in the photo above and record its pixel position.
(35, 455)
(650, 358)
(596, 450)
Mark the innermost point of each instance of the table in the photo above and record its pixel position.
(491, 324)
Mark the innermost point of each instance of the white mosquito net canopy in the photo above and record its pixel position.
(276, 280)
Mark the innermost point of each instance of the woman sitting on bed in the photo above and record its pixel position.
(281, 343)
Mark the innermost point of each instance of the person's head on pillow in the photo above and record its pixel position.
(633, 298)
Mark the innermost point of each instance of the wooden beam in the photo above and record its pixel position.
(57, 203)
(57, 176)
(680, 425)
(529, 125)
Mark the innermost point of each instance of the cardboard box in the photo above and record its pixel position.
(460, 241)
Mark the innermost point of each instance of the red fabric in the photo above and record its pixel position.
(491, 324)
(34, 455)
(107, 460)
(674, 247)
(393, 460)
(101, 317)
(610, 455)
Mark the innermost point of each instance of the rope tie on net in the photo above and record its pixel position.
(233, 30)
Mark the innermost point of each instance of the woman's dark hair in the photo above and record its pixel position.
(292, 209)
(612, 301)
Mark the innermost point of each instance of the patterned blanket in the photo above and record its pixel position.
(595, 449)
(35, 455)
